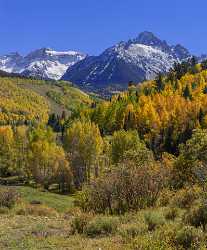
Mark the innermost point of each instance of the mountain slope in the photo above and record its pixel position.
(19, 105)
(136, 60)
(43, 63)
(27, 100)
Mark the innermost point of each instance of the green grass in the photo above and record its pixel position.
(32, 232)
(61, 203)
(53, 231)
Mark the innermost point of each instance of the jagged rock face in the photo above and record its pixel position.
(138, 59)
(42, 63)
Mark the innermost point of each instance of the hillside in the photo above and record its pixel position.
(26, 100)
(20, 105)
(164, 111)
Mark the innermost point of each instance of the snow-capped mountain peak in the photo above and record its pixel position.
(135, 60)
(42, 63)
(148, 38)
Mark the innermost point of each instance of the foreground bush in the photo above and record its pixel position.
(188, 237)
(165, 197)
(125, 188)
(85, 223)
(8, 197)
(185, 197)
(171, 213)
(170, 236)
(144, 242)
(130, 231)
(101, 226)
(79, 223)
(153, 220)
(197, 216)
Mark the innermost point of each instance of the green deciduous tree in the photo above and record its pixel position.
(84, 144)
(121, 142)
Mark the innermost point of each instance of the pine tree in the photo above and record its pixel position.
(159, 83)
(187, 92)
(201, 116)
(205, 90)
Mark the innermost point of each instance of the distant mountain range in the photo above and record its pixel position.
(43, 63)
(135, 60)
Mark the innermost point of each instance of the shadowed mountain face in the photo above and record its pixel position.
(136, 60)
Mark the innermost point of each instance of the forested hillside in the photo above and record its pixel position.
(19, 106)
(25, 101)
(132, 169)
(164, 111)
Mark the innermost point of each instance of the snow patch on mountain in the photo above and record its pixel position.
(148, 58)
(42, 63)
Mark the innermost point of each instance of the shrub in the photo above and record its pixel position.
(127, 218)
(171, 213)
(37, 210)
(187, 237)
(153, 220)
(81, 199)
(165, 197)
(8, 197)
(197, 216)
(101, 226)
(129, 231)
(163, 238)
(125, 188)
(72, 212)
(80, 222)
(184, 198)
(144, 242)
(170, 236)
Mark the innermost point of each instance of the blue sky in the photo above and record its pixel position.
(93, 25)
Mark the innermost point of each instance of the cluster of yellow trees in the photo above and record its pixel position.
(33, 154)
(20, 106)
(163, 118)
(38, 154)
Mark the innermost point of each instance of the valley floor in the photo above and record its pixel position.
(42, 220)
(46, 230)
(32, 233)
